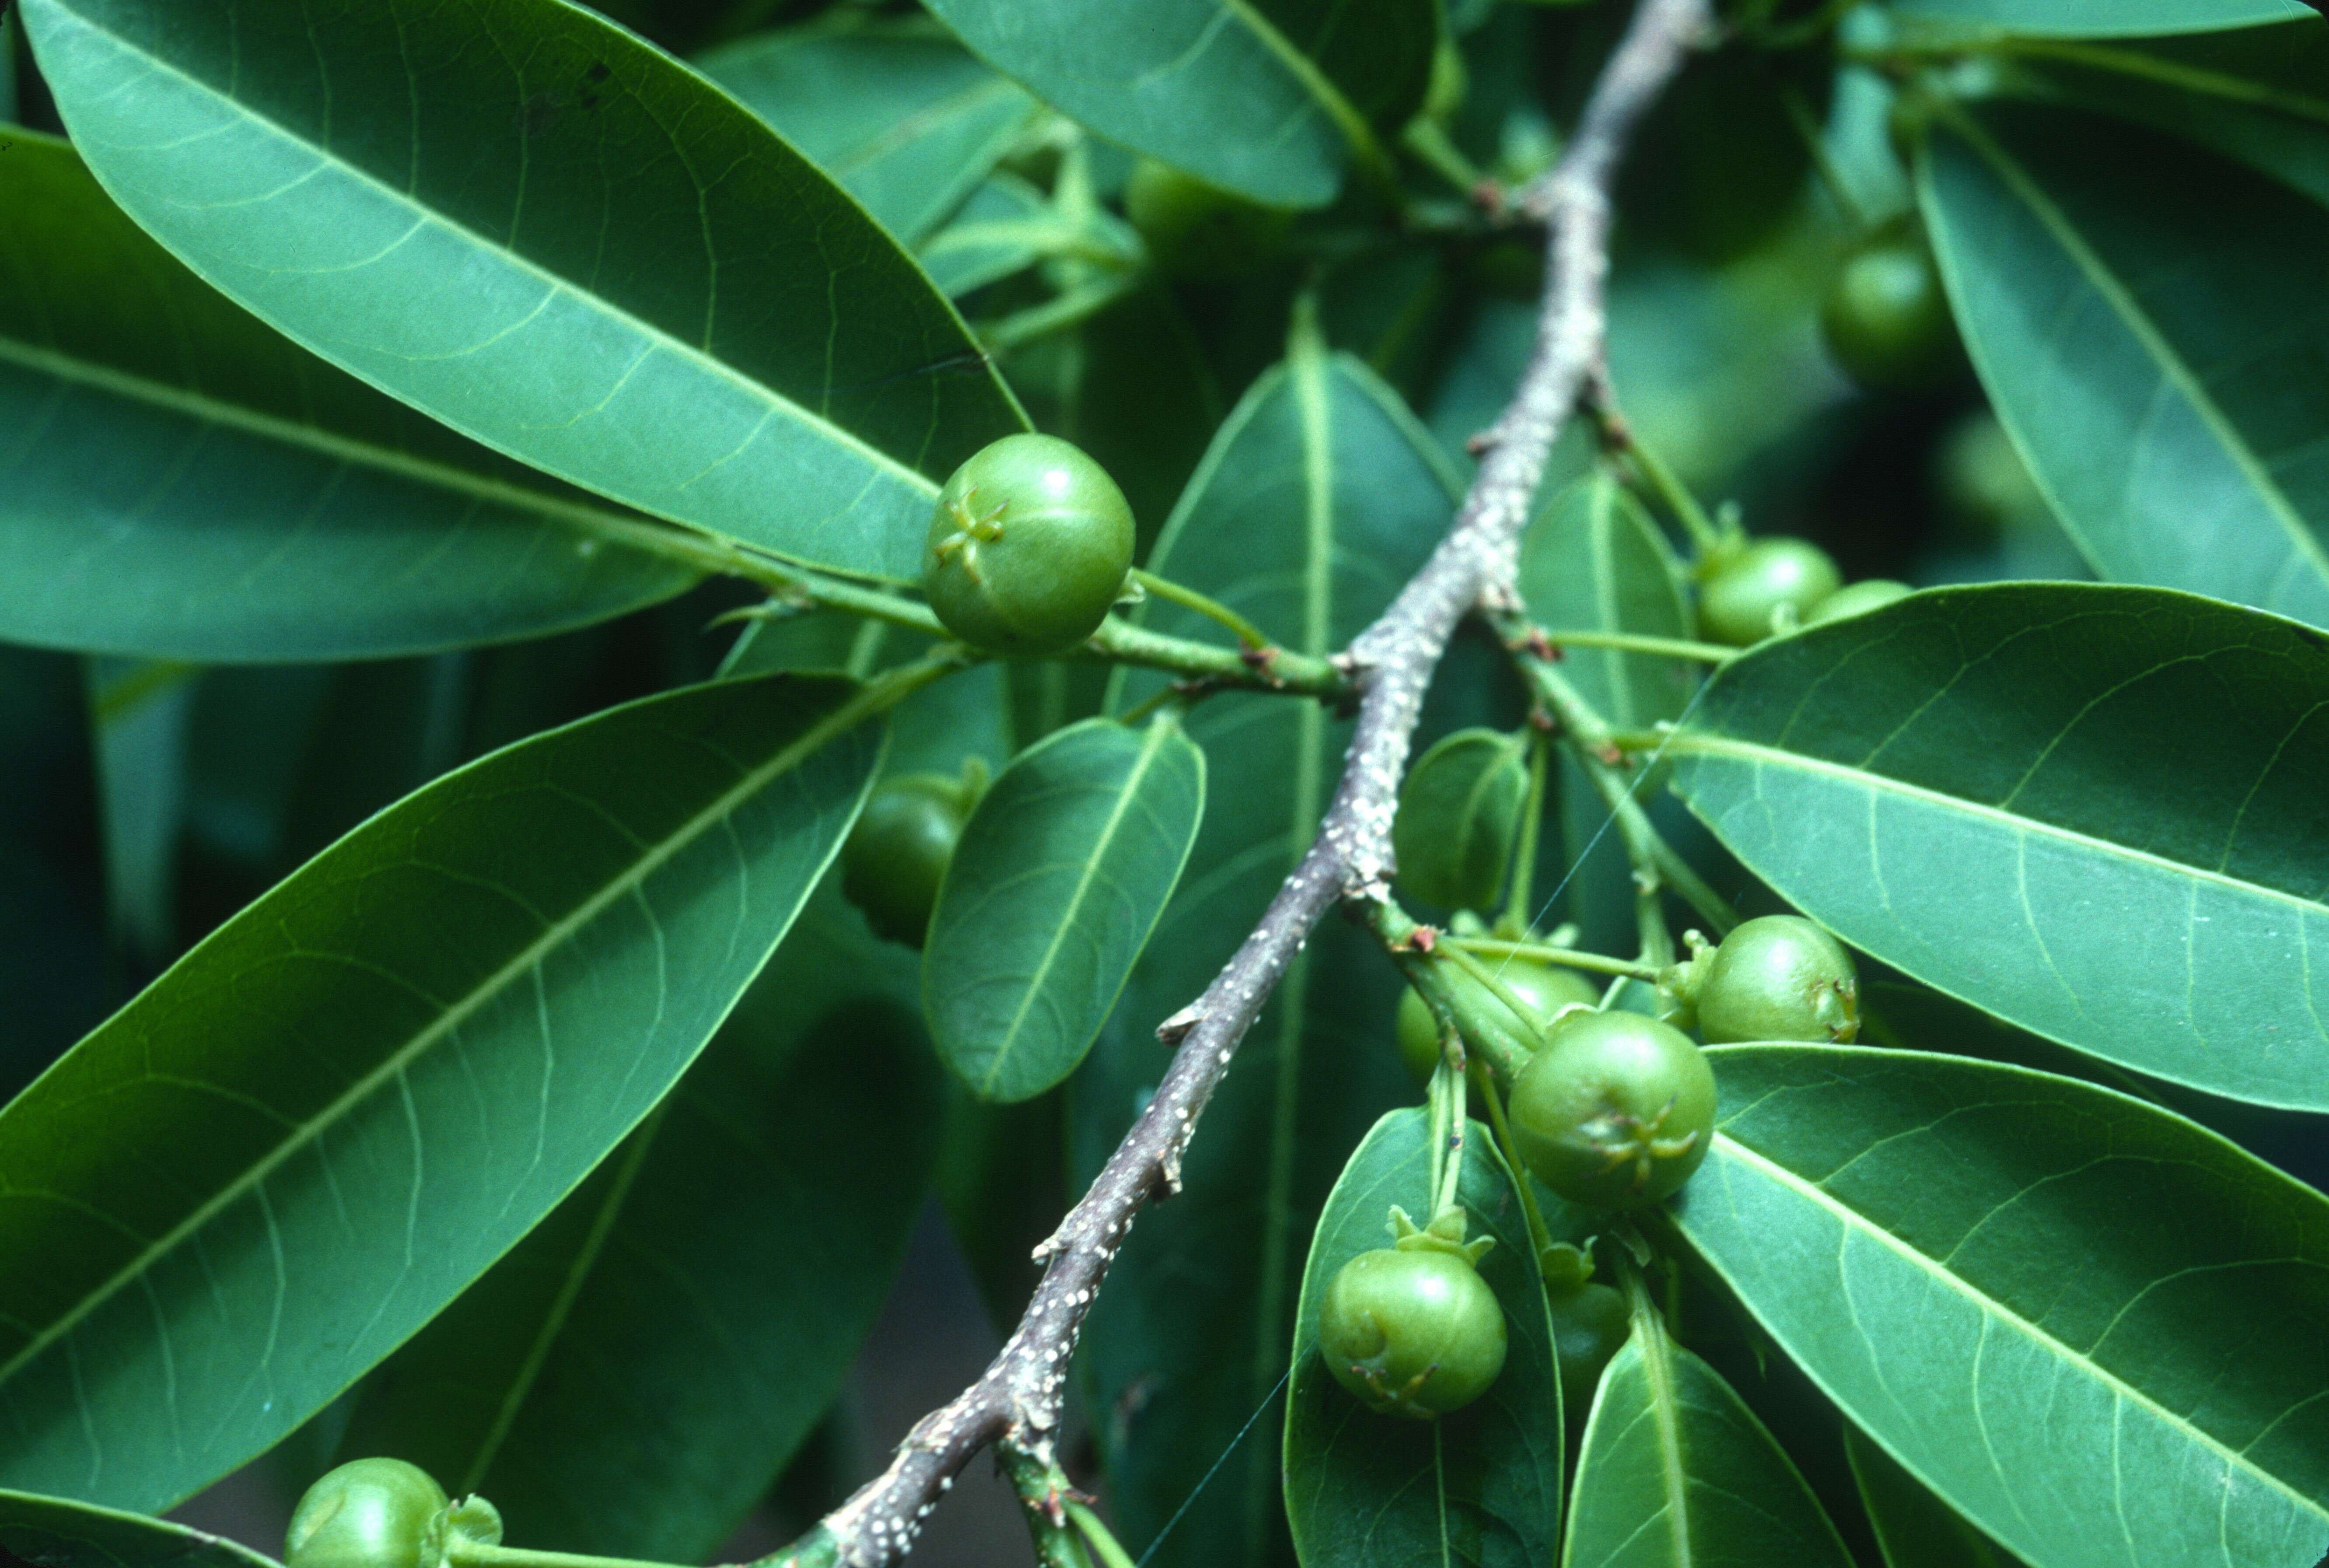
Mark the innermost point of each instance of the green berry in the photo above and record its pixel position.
(1767, 586)
(1547, 989)
(1615, 1111)
(368, 1513)
(1199, 232)
(1028, 547)
(1590, 1325)
(896, 853)
(1780, 977)
(1412, 1329)
(1858, 599)
(1886, 318)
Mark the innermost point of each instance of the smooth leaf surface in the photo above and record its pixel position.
(268, 1169)
(2103, 18)
(2091, 1327)
(1060, 874)
(1317, 499)
(1267, 98)
(1914, 1528)
(523, 221)
(901, 116)
(178, 481)
(1458, 809)
(1676, 1472)
(1972, 784)
(2255, 95)
(1365, 1490)
(60, 1533)
(2145, 315)
(1004, 227)
(138, 714)
(718, 1271)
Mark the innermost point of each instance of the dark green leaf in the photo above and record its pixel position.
(630, 1378)
(2253, 95)
(1004, 227)
(59, 1533)
(138, 714)
(1971, 784)
(2112, 18)
(1059, 877)
(2090, 1326)
(2142, 314)
(177, 481)
(1914, 1528)
(899, 113)
(261, 1176)
(1269, 98)
(1458, 809)
(655, 298)
(1319, 497)
(1372, 1491)
(1676, 1472)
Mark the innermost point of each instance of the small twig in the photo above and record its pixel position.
(1016, 1401)
(1545, 953)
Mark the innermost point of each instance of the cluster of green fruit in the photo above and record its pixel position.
(1612, 1110)
(1747, 590)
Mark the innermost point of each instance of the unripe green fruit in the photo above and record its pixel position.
(1590, 1325)
(1857, 598)
(896, 853)
(1547, 989)
(1412, 1331)
(1615, 1111)
(1028, 547)
(1199, 232)
(1886, 318)
(368, 1513)
(1983, 484)
(1780, 977)
(1771, 583)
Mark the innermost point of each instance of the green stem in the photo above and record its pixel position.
(1487, 977)
(1499, 1051)
(1431, 147)
(1625, 437)
(1520, 900)
(1098, 1537)
(1119, 641)
(1542, 953)
(1713, 653)
(1077, 306)
(1831, 178)
(1451, 1180)
(1539, 1233)
(1171, 593)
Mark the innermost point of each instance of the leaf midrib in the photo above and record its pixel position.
(1853, 1219)
(1657, 1371)
(615, 526)
(305, 1133)
(1348, 120)
(1701, 742)
(2139, 324)
(1151, 748)
(657, 336)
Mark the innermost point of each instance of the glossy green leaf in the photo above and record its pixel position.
(1969, 785)
(2141, 313)
(1914, 1528)
(2091, 1327)
(1675, 1472)
(656, 297)
(261, 1176)
(1267, 98)
(60, 1533)
(901, 115)
(1458, 809)
(719, 1270)
(2255, 95)
(1059, 877)
(1593, 561)
(177, 481)
(1004, 227)
(1319, 497)
(2103, 18)
(1365, 1490)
